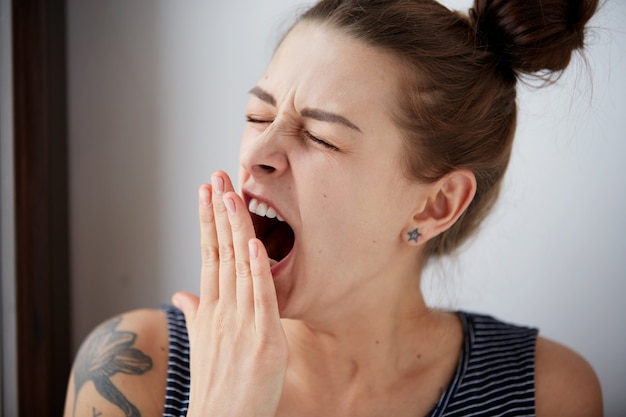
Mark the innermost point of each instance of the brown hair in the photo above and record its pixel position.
(457, 99)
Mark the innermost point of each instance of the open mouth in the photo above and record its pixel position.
(271, 229)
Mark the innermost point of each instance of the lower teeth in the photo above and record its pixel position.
(273, 262)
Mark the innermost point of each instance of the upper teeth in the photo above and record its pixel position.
(263, 210)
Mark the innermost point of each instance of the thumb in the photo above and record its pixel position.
(187, 303)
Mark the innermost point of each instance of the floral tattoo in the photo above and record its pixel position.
(105, 353)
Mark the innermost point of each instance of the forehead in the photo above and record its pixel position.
(327, 68)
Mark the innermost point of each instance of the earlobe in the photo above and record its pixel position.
(449, 198)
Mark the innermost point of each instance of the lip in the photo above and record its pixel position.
(280, 266)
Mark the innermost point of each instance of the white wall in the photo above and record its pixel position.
(157, 97)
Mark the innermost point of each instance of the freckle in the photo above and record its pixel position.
(325, 196)
(378, 342)
(374, 242)
(418, 356)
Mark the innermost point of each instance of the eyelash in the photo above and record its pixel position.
(259, 121)
(319, 141)
(308, 135)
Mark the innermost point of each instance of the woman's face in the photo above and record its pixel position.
(321, 149)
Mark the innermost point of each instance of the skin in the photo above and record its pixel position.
(340, 327)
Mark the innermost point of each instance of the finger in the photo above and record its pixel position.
(266, 313)
(221, 184)
(242, 231)
(187, 303)
(209, 248)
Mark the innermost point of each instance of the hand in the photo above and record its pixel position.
(238, 350)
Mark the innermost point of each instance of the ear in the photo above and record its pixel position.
(446, 201)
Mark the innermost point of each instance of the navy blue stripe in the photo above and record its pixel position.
(177, 389)
(499, 371)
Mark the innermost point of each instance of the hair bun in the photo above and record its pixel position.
(532, 35)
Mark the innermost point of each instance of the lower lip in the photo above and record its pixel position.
(280, 266)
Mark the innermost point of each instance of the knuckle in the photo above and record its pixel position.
(262, 304)
(236, 226)
(209, 253)
(226, 253)
(243, 269)
(206, 217)
(220, 208)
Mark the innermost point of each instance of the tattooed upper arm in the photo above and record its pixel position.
(121, 368)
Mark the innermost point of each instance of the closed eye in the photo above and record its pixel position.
(322, 142)
(251, 119)
(306, 134)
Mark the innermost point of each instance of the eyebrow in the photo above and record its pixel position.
(263, 95)
(317, 114)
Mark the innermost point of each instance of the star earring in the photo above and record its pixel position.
(414, 235)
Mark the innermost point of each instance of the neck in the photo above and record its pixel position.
(374, 348)
(382, 337)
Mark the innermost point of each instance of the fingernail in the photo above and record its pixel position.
(253, 249)
(230, 205)
(204, 197)
(218, 184)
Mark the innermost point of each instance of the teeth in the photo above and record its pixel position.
(263, 210)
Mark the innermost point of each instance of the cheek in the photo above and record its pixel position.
(375, 210)
(348, 220)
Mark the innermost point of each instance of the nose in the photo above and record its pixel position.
(264, 154)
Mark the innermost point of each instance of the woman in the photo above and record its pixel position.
(375, 141)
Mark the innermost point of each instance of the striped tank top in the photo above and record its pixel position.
(495, 375)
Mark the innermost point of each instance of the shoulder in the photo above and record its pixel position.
(489, 329)
(565, 384)
(121, 367)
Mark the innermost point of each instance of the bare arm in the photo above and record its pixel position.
(121, 368)
(566, 385)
